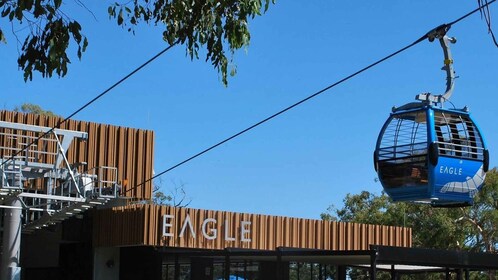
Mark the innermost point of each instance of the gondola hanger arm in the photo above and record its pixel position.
(444, 40)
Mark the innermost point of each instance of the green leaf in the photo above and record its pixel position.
(267, 5)
(85, 44)
(233, 71)
(28, 4)
(64, 68)
(40, 10)
(27, 75)
(120, 17)
(221, 27)
(2, 37)
(18, 13)
(6, 11)
(76, 25)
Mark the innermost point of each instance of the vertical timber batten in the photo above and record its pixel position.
(164, 226)
(130, 150)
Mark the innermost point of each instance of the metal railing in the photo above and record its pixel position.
(11, 176)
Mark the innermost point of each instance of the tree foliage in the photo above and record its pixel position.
(209, 23)
(432, 227)
(472, 228)
(311, 271)
(219, 26)
(177, 196)
(481, 220)
(34, 109)
(50, 33)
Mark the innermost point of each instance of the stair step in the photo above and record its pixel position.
(62, 215)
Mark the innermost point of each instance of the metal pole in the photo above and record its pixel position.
(341, 272)
(11, 246)
(177, 268)
(298, 271)
(245, 269)
(50, 187)
(227, 266)
(311, 270)
(373, 266)
(393, 272)
(279, 264)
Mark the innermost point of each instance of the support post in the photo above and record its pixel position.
(227, 266)
(245, 269)
(11, 246)
(279, 264)
(341, 272)
(373, 266)
(393, 272)
(50, 189)
(177, 268)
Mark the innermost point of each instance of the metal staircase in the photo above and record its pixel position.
(34, 169)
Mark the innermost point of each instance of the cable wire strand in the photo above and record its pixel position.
(422, 38)
(486, 13)
(480, 8)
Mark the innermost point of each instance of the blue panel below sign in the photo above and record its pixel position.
(456, 177)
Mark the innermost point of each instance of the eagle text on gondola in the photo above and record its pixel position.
(208, 229)
(450, 170)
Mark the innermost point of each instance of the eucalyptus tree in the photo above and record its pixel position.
(432, 227)
(46, 31)
(473, 228)
(481, 219)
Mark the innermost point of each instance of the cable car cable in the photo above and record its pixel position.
(422, 38)
(486, 5)
(91, 101)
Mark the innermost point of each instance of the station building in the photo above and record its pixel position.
(79, 198)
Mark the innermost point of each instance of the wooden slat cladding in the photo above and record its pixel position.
(155, 225)
(129, 150)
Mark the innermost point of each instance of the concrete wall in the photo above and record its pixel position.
(106, 263)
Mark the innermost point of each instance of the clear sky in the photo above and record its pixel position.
(305, 160)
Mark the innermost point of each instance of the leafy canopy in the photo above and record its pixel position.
(50, 32)
(34, 109)
(218, 25)
(473, 228)
(432, 227)
(481, 219)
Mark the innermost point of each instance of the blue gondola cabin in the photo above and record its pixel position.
(431, 155)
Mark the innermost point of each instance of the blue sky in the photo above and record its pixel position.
(305, 160)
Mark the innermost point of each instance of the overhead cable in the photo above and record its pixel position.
(422, 38)
(58, 125)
